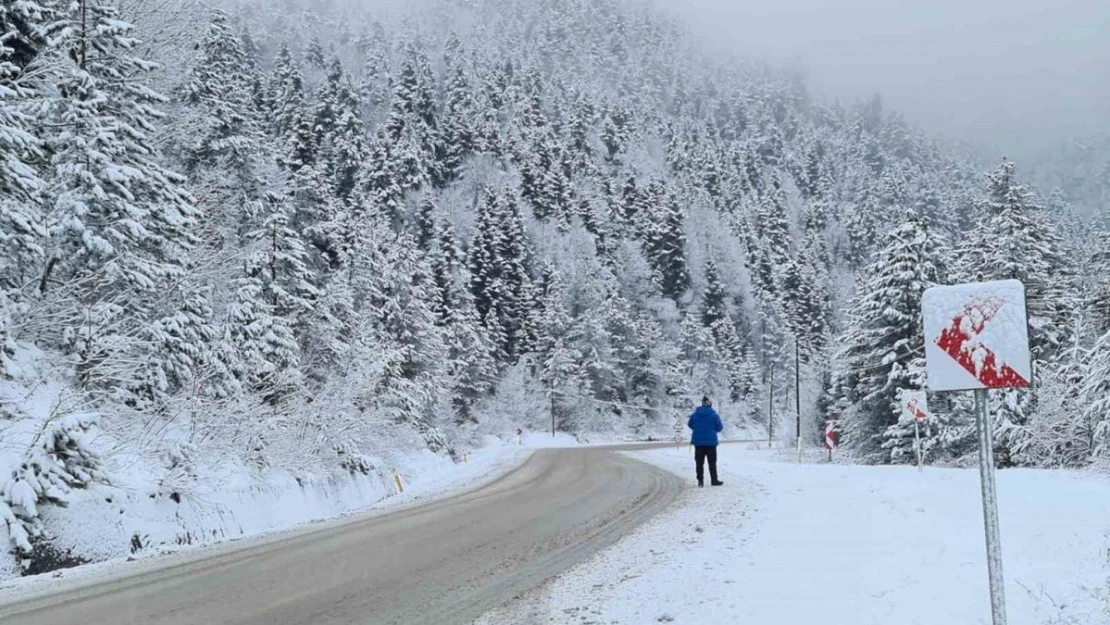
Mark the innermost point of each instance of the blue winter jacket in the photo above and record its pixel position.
(705, 422)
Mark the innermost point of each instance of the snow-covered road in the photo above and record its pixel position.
(447, 561)
(806, 544)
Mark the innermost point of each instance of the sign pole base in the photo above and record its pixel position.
(917, 444)
(990, 509)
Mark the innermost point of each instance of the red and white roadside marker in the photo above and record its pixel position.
(977, 338)
(830, 437)
(916, 407)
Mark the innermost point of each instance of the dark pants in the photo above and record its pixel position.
(700, 454)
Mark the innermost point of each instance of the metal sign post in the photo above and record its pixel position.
(798, 398)
(917, 444)
(771, 409)
(977, 338)
(990, 508)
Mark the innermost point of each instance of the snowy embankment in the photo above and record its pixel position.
(72, 492)
(800, 544)
(99, 525)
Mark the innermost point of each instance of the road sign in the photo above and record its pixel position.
(914, 405)
(976, 336)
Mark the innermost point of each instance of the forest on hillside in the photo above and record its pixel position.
(293, 233)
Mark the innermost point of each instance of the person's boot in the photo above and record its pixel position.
(701, 483)
(717, 483)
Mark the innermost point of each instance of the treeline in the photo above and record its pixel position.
(314, 231)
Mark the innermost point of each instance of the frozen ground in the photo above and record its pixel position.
(800, 544)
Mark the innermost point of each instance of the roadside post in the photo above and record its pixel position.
(915, 406)
(830, 437)
(977, 339)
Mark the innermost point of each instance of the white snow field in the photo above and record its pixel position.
(828, 544)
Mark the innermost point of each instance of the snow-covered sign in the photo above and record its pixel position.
(914, 405)
(977, 336)
(830, 435)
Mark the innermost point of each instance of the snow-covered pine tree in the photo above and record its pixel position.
(1095, 398)
(884, 337)
(713, 307)
(458, 123)
(338, 130)
(394, 283)
(1097, 306)
(561, 369)
(374, 82)
(515, 286)
(21, 234)
(224, 130)
(425, 221)
(500, 278)
(665, 247)
(1015, 240)
(119, 223)
(279, 261)
(471, 354)
(286, 93)
(412, 124)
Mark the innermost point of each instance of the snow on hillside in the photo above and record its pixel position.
(799, 544)
(141, 504)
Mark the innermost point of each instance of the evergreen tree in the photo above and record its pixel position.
(1016, 241)
(500, 279)
(666, 248)
(713, 300)
(471, 354)
(279, 262)
(218, 92)
(267, 351)
(286, 93)
(884, 345)
(314, 54)
(118, 224)
(425, 222)
(21, 234)
(458, 118)
(1098, 285)
(1095, 397)
(374, 82)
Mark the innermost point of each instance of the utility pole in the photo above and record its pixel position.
(551, 394)
(798, 396)
(771, 409)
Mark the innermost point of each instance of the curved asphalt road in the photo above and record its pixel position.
(445, 562)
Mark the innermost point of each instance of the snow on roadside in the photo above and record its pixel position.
(101, 530)
(798, 544)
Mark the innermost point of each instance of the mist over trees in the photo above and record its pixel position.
(278, 233)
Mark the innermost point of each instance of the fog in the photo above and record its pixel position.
(1006, 74)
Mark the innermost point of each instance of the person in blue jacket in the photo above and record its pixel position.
(705, 424)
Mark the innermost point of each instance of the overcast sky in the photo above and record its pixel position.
(1001, 72)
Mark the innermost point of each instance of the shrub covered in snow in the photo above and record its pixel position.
(54, 461)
